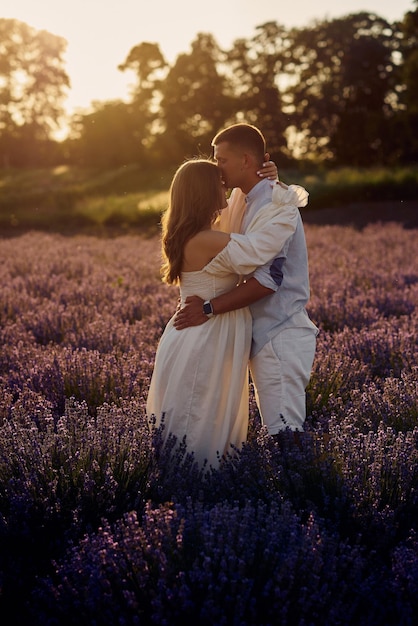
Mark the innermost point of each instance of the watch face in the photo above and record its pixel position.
(207, 308)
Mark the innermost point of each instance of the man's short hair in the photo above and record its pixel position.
(243, 136)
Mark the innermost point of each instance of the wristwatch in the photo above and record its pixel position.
(207, 308)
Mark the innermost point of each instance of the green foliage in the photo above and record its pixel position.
(342, 186)
(343, 92)
(256, 68)
(339, 91)
(32, 90)
(73, 199)
(199, 83)
(123, 211)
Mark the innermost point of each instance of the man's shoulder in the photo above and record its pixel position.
(261, 194)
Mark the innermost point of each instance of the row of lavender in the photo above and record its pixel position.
(96, 527)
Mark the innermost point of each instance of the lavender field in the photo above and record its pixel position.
(97, 527)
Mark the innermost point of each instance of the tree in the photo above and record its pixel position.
(342, 95)
(409, 28)
(150, 68)
(115, 133)
(32, 88)
(255, 67)
(196, 100)
(110, 136)
(409, 95)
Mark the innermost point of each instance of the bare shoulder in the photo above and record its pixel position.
(201, 248)
(211, 240)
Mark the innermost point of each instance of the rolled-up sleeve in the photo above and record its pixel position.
(270, 275)
(266, 235)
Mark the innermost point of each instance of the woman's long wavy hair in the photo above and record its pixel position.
(196, 198)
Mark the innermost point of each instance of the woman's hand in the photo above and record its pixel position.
(269, 169)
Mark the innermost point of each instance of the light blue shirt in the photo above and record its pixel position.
(287, 275)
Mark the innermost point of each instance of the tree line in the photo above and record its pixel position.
(341, 92)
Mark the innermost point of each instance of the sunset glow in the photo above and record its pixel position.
(100, 33)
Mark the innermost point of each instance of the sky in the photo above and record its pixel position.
(100, 33)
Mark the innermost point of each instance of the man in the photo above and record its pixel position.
(284, 338)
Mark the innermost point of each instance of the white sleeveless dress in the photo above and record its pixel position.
(200, 378)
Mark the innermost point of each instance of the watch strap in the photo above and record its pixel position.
(207, 308)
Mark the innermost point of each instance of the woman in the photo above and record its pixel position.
(199, 387)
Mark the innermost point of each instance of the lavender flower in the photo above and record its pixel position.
(101, 522)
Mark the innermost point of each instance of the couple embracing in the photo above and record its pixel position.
(242, 269)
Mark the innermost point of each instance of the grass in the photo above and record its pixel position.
(73, 199)
(68, 199)
(124, 211)
(342, 186)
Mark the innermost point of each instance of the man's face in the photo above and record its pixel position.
(230, 162)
